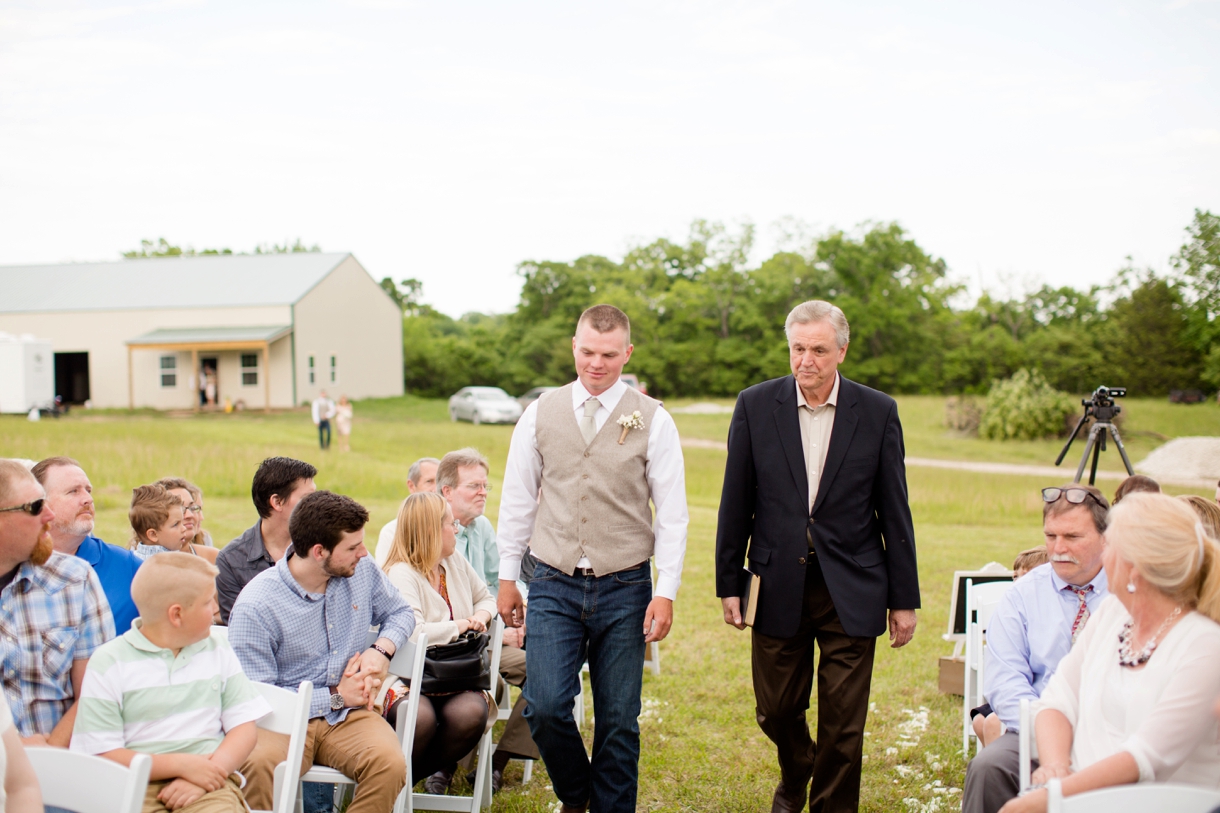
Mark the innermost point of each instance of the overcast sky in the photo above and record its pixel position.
(449, 141)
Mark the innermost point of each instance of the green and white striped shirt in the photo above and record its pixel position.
(139, 696)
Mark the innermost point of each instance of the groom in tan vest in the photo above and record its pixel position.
(584, 464)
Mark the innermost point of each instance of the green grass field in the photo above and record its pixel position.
(702, 750)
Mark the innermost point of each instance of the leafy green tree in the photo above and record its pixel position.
(163, 248)
(1151, 344)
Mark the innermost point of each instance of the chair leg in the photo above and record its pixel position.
(528, 773)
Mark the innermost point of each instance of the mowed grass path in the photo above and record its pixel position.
(702, 750)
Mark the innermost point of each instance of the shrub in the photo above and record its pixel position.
(1024, 407)
(963, 413)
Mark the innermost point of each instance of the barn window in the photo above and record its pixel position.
(169, 371)
(311, 370)
(334, 370)
(249, 369)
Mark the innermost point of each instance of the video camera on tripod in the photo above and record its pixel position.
(1100, 406)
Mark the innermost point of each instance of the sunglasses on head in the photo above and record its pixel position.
(32, 508)
(1073, 495)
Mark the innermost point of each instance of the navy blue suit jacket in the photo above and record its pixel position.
(860, 523)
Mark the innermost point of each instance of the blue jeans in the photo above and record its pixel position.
(601, 617)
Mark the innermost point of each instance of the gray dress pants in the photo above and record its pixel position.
(993, 777)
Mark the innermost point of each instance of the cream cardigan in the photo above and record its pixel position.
(466, 589)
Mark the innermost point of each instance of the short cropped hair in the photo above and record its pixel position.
(1136, 482)
(171, 578)
(321, 518)
(150, 507)
(417, 469)
(1098, 507)
(604, 319)
(816, 310)
(178, 482)
(278, 477)
(43, 466)
(1031, 558)
(12, 472)
(447, 471)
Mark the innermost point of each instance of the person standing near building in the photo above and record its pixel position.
(322, 410)
(584, 464)
(343, 423)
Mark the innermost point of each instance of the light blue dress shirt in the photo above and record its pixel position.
(477, 542)
(283, 634)
(1029, 634)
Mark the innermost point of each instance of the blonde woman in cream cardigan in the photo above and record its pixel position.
(1132, 701)
(448, 598)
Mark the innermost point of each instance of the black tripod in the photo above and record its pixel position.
(1102, 409)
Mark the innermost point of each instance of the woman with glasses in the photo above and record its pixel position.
(1132, 700)
(449, 598)
(192, 515)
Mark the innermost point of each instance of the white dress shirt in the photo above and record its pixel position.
(817, 424)
(665, 471)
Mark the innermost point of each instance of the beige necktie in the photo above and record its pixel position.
(588, 426)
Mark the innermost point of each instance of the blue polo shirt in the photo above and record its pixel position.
(115, 568)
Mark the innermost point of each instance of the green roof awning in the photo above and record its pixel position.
(255, 336)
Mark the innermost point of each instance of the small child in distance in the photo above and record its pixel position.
(156, 518)
(204, 707)
(987, 726)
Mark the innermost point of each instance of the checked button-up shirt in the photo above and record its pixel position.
(283, 634)
(50, 616)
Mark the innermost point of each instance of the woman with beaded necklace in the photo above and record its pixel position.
(1132, 701)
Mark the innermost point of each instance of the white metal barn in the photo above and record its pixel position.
(274, 329)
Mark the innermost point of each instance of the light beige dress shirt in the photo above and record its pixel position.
(816, 425)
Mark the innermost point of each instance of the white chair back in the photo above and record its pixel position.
(1138, 798)
(289, 716)
(1025, 737)
(981, 601)
(89, 784)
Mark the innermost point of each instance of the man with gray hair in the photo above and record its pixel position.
(421, 476)
(813, 484)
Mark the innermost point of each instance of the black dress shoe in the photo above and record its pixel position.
(438, 783)
(788, 801)
(497, 779)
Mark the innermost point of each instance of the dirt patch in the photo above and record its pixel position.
(1195, 458)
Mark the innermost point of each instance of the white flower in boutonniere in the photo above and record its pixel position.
(629, 422)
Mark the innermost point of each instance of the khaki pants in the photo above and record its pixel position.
(226, 800)
(363, 747)
(516, 738)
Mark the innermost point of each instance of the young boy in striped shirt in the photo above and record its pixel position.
(169, 688)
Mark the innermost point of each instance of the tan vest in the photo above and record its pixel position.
(594, 499)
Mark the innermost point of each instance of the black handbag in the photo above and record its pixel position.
(461, 665)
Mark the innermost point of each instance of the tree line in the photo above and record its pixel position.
(707, 322)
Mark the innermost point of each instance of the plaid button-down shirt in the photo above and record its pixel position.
(283, 634)
(50, 616)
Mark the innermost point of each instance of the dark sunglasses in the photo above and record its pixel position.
(1073, 495)
(31, 508)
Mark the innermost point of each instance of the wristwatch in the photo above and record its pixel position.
(336, 700)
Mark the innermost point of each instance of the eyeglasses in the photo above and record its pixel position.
(477, 487)
(193, 509)
(32, 508)
(1073, 495)
(457, 526)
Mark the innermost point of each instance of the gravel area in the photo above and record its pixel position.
(1190, 458)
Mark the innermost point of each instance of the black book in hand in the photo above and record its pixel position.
(751, 582)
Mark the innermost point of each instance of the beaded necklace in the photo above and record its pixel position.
(1126, 657)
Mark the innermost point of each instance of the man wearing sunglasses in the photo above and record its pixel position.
(70, 497)
(53, 614)
(1034, 627)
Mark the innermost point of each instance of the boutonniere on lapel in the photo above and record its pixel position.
(629, 422)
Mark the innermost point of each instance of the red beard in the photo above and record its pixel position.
(43, 548)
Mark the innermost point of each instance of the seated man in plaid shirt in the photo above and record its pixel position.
(53, 614)
(307, 618)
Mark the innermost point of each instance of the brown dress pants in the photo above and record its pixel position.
(363, 747)
(226, 800)
(783, 679)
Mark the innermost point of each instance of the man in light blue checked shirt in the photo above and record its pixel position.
(53, 614)
(307, 618)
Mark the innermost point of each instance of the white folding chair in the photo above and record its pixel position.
(481, 793)
(1138, 798)
(1025, 736)
(89, 784)
(981, 601)
(504, 710)
(408, 663)
(290, 716)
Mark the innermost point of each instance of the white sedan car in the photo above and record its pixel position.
(484, 405)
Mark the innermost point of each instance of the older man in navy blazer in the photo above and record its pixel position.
(815, 498)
